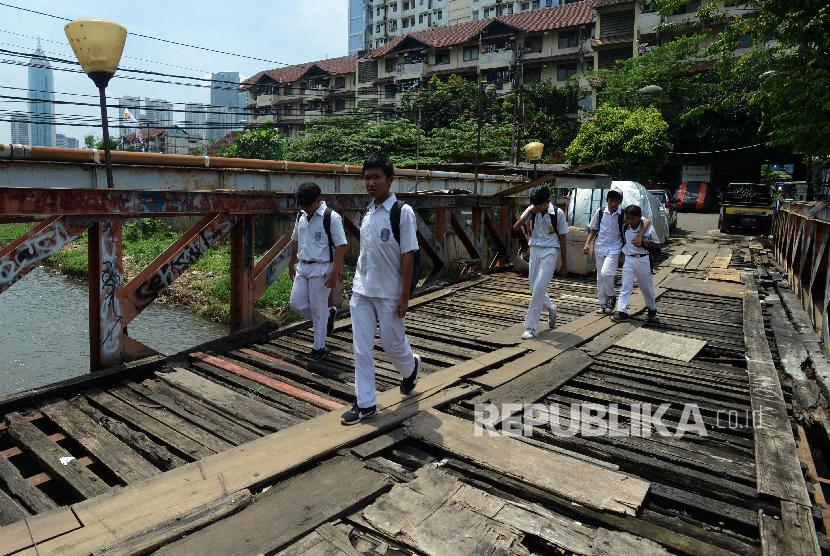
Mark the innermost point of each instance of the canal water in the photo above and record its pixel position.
(43, 331)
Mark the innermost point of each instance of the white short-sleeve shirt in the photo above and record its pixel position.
(630, 233)
(609, 241)
(544, 233)
(378, 271)
(311, 238)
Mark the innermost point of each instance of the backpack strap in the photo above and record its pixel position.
(624, 228)
(395, 220)
(327, 229)
(620, 221)
(600, 214)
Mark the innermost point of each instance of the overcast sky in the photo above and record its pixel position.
(288, 31)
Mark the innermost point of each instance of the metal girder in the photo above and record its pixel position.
(271, 265)
(242, 268)
(106, 325)
(466, 235)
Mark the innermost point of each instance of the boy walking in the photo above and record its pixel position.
(318, 245)
(637, 263)
(548, 237)
(381, 288)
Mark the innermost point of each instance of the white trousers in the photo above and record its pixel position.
(367, 313)
(606, 271)
(639, 268)
(310, 298)
(542, 266)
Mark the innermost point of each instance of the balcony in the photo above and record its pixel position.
(410, 71)
(498, 59)
(263, 101)
(648, 21)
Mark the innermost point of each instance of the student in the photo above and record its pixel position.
(381, 288)
(548, 238)
(637, 263)
(318, 243)
(606, 227)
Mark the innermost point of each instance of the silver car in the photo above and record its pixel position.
(664, 198)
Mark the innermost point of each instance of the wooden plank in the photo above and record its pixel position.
(379, 444)
(288, 511)
(664, 345)
(33, 498)
(725, 275)
(681, 260)
(116, 456)
(10, 510)
(78, 478)
(36, 529)
(694, 285)
(178, 527)
(515, 368)
(227, 400)
(792, 535)
(582, 482)
(150, 426)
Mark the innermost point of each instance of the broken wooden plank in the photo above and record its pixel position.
(792, 535)
(180, 526)
(705, 287)
(582, 482)
(60, 463)
(233, 403)
(10, 510)
(288, 511)
(116, 456)
(36, 529)
(665, 345)
(379, 444)
(34, 499)
(681, 260)
(724, 275)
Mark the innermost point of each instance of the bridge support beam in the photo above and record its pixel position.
(106, 326)
(242, 274)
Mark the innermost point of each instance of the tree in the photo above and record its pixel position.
(89, 141)
(443, 102)
(264, 144)
(629, 143)
(458, 143)
(550, 114)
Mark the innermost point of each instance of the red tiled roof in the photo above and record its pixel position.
(569, 15)
(289, 74)
(605, 3)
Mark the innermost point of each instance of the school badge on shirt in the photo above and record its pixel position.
(385, 233)
(318, 236)
(551, 230)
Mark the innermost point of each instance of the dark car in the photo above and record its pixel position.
(746, 206)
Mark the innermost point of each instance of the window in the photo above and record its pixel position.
(442, 57)
(525, 6)
(378, 27)
(395, 7)
(412, 21)
(420, 18)
(286, 90)
(564, 71)
(390, 64)
(533, 44)
(475, 15)
(745, 40)
(406, 5)
(389, 91)
(440, 13)
(532, 75)
(470, 53)
(568, 39)
(405, 22)
(339, 81)
(339, 105)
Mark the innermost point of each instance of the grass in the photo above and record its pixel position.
(204, 289)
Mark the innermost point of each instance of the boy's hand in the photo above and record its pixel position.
(292, 272)
(403, 305)
(586, 249)
(331, 280)
(637, 241)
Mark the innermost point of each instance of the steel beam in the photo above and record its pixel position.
(106, 273)
(271, 265)
(242, 268)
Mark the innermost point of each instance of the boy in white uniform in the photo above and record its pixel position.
(320, 255)
(606, 226)
(381, 288)
(637, 263)
(548, 238)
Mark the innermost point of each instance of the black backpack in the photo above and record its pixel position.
(601, 212)
(554, 220)
(395, 220)
(326, 228)
(653, 252)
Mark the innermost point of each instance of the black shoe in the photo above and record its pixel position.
(357, 414)
(619, 317)
(332, 317)
(316, 354)
(652, 314)
(408, 383)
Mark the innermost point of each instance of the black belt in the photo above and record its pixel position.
(636, 256)
(313, 262)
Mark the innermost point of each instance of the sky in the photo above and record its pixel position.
(285, 31)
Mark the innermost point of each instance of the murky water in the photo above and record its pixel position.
(43, 331)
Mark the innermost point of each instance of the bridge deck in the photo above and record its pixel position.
(248, 439)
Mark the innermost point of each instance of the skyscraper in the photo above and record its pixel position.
(195, 119)
(62, 140)
(221, 121)
(224, 89)
(157, 113)
(41, 100)
(20, 128)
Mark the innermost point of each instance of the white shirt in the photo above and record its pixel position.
(311, 238)
(631, 233)
(378, 271)
(609, 241)
(544, 233)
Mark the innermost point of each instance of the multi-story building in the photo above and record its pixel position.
(20, 128)
(221, 121)
(554, 43)
(41, 100)
(293, 96)
(62, 140)
(170, 140)
(195, 119)
(224, 89)
(157, 113)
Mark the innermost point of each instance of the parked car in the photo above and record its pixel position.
(746, 205)
(665, 199)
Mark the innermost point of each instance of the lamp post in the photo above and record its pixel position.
(534, 150)
(98, 45)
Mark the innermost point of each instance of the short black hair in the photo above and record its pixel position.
(540, 195)
(614, 195)
(307, 193)
(381, 161)
(634, 210)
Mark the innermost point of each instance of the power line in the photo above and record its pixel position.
(150, 37)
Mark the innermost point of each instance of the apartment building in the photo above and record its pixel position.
(294, 96)
(554, 43)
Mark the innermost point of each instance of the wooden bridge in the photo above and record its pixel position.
(235, 447)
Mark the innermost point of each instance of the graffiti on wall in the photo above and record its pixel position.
(110, 284)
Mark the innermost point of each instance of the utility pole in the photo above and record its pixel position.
(517, 83)
(479, 126)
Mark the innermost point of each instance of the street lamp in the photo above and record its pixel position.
(534, 150)
(650, 90)
(98, 44)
